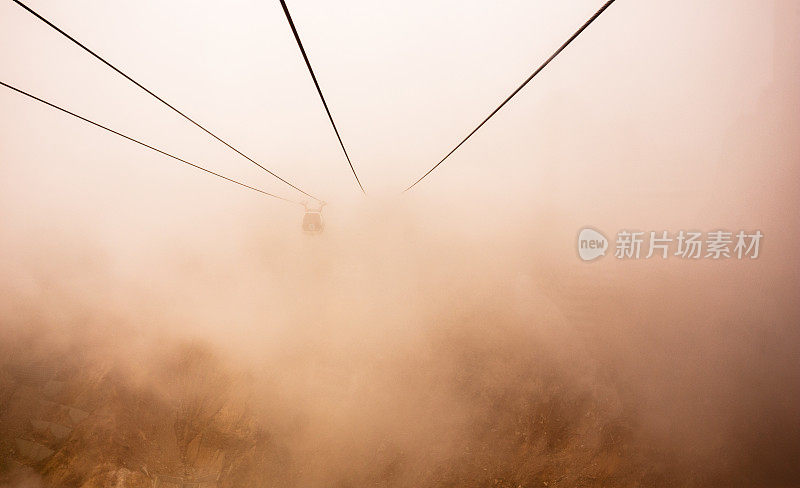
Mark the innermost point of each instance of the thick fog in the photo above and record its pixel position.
(447, 336)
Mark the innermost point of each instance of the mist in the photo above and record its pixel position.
(158, 324)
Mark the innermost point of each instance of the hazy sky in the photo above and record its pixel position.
(405, 81)
(642, 103)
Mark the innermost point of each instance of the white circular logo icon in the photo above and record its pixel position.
(591, 244)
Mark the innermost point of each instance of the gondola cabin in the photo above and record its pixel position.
(312, 222)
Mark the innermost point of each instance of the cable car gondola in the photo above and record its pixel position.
(312, 219)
